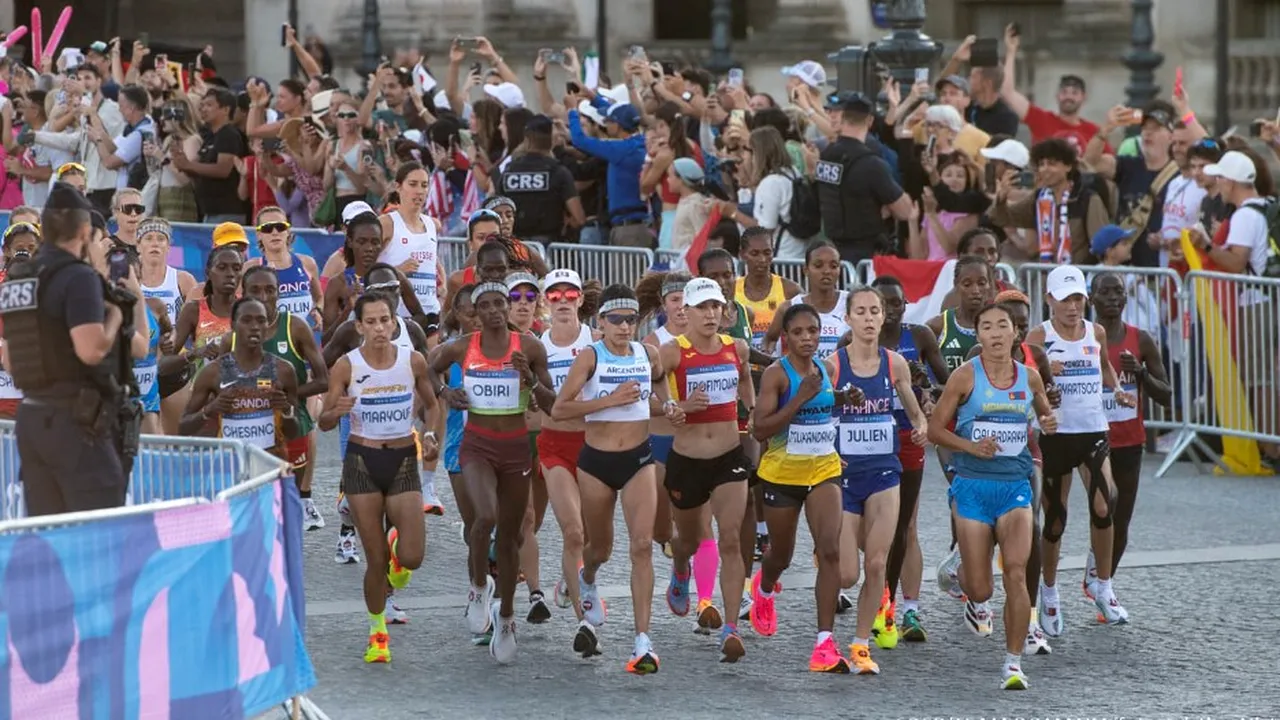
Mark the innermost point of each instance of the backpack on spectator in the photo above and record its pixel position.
(1271, 211)
(806, 216)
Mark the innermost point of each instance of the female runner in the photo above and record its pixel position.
(170, 286)
(500, 369)
(991, 399)
(610, 386)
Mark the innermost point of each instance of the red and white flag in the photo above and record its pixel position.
(924, 282)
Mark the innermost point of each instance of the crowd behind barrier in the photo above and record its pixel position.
(191, 604)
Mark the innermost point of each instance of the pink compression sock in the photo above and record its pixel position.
(706, 563)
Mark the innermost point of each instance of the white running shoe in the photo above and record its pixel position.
(478, 601)
(311, 517)
(1037, 643)
(348, 552)
(560, 596)
(1110, 611)
(592, 607)
(502, 646)
(948, 574)
(430, 502)
(1050, 615)
(745, 613)
(393, 613)
(1013, 678)
(538, 610)
(1090, 576)
(978, 617)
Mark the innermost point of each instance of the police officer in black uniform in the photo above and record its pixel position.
(63, 325)
(854, 185)
(543, 189)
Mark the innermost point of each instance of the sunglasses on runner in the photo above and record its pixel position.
(568, 295)
(391, 285)
(133, 209)
(527, 295)
(617, 319)
(274, 227)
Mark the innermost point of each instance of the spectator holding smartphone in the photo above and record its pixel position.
(176, 200)
(214, 169)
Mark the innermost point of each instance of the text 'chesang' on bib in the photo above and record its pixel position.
(251, 421)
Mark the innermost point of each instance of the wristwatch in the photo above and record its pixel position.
(430, 434)
(288, 414)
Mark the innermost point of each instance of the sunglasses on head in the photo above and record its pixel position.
(566, 295)
(133, 209)
(347, 115)
(1209, 143)
(527, 295)
(274, 227)
(620, 319)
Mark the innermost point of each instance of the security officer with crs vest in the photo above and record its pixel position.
(855, 184)
(543, 189)
(69, 335)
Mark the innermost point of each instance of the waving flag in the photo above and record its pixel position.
(925, 283)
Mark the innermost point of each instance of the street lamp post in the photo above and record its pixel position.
(721, 35)
(906, 48)
(371, 44)
(1142, 60)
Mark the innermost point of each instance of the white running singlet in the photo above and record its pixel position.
(421, 247)
(168, 293)
(833, 325)
(560, 359)
(384, 398)
(1081, 380)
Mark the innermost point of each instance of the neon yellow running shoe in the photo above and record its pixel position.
(378, 650)
(886, 637)
(397, 575)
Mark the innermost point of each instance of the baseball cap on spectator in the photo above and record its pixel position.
(808, 72)
(1072, 81)
(700, 290)
(1159, 112)
(625, 115)
(688, 170)
(590, 112)
(1234, 166)
(850, 100)
(563, 276)
(229, 233)
(955, 81)
(1065, 281)
(616, 95)
(1107, 237)
(354, 209)
(509, 94)
(1011, 152)
(97, 47)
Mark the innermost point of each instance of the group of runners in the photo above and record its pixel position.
(750, 402)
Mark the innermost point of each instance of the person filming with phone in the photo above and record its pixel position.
(70, 315)
(1064, 211)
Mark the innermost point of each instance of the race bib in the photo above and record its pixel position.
(145, 376)
(812, 440)
(1115, 412)
(559, 370)
(493, 390)
(873, 436)
(1011, 436)
(719, 382)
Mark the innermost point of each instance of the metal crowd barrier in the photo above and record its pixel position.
(1230, 362)
(166, 469)
(609, 265)
(453, 252)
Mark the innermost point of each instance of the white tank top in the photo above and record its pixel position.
(168, 293)
(560, 359)
(1081, 380)
(8, 390)
(384, 398)
(833, 325)
(421, 247)
(664, 336)
(614, 370)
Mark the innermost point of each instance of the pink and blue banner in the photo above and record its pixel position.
(192, 613)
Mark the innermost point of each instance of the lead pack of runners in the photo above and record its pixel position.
(713, 410)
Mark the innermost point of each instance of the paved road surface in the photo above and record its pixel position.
(1199, 584)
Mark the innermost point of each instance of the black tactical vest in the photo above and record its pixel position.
(36, 359)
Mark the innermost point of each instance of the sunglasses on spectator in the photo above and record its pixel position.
(348, 115)
(1209, 143)
(619, 319)
(70, 167)
(568, 295)
(22, 227)
(133, 209)
(526, 295)
(274, 227)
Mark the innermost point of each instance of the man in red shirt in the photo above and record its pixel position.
(1043, 124)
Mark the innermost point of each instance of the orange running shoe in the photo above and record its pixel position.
(860, 655)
